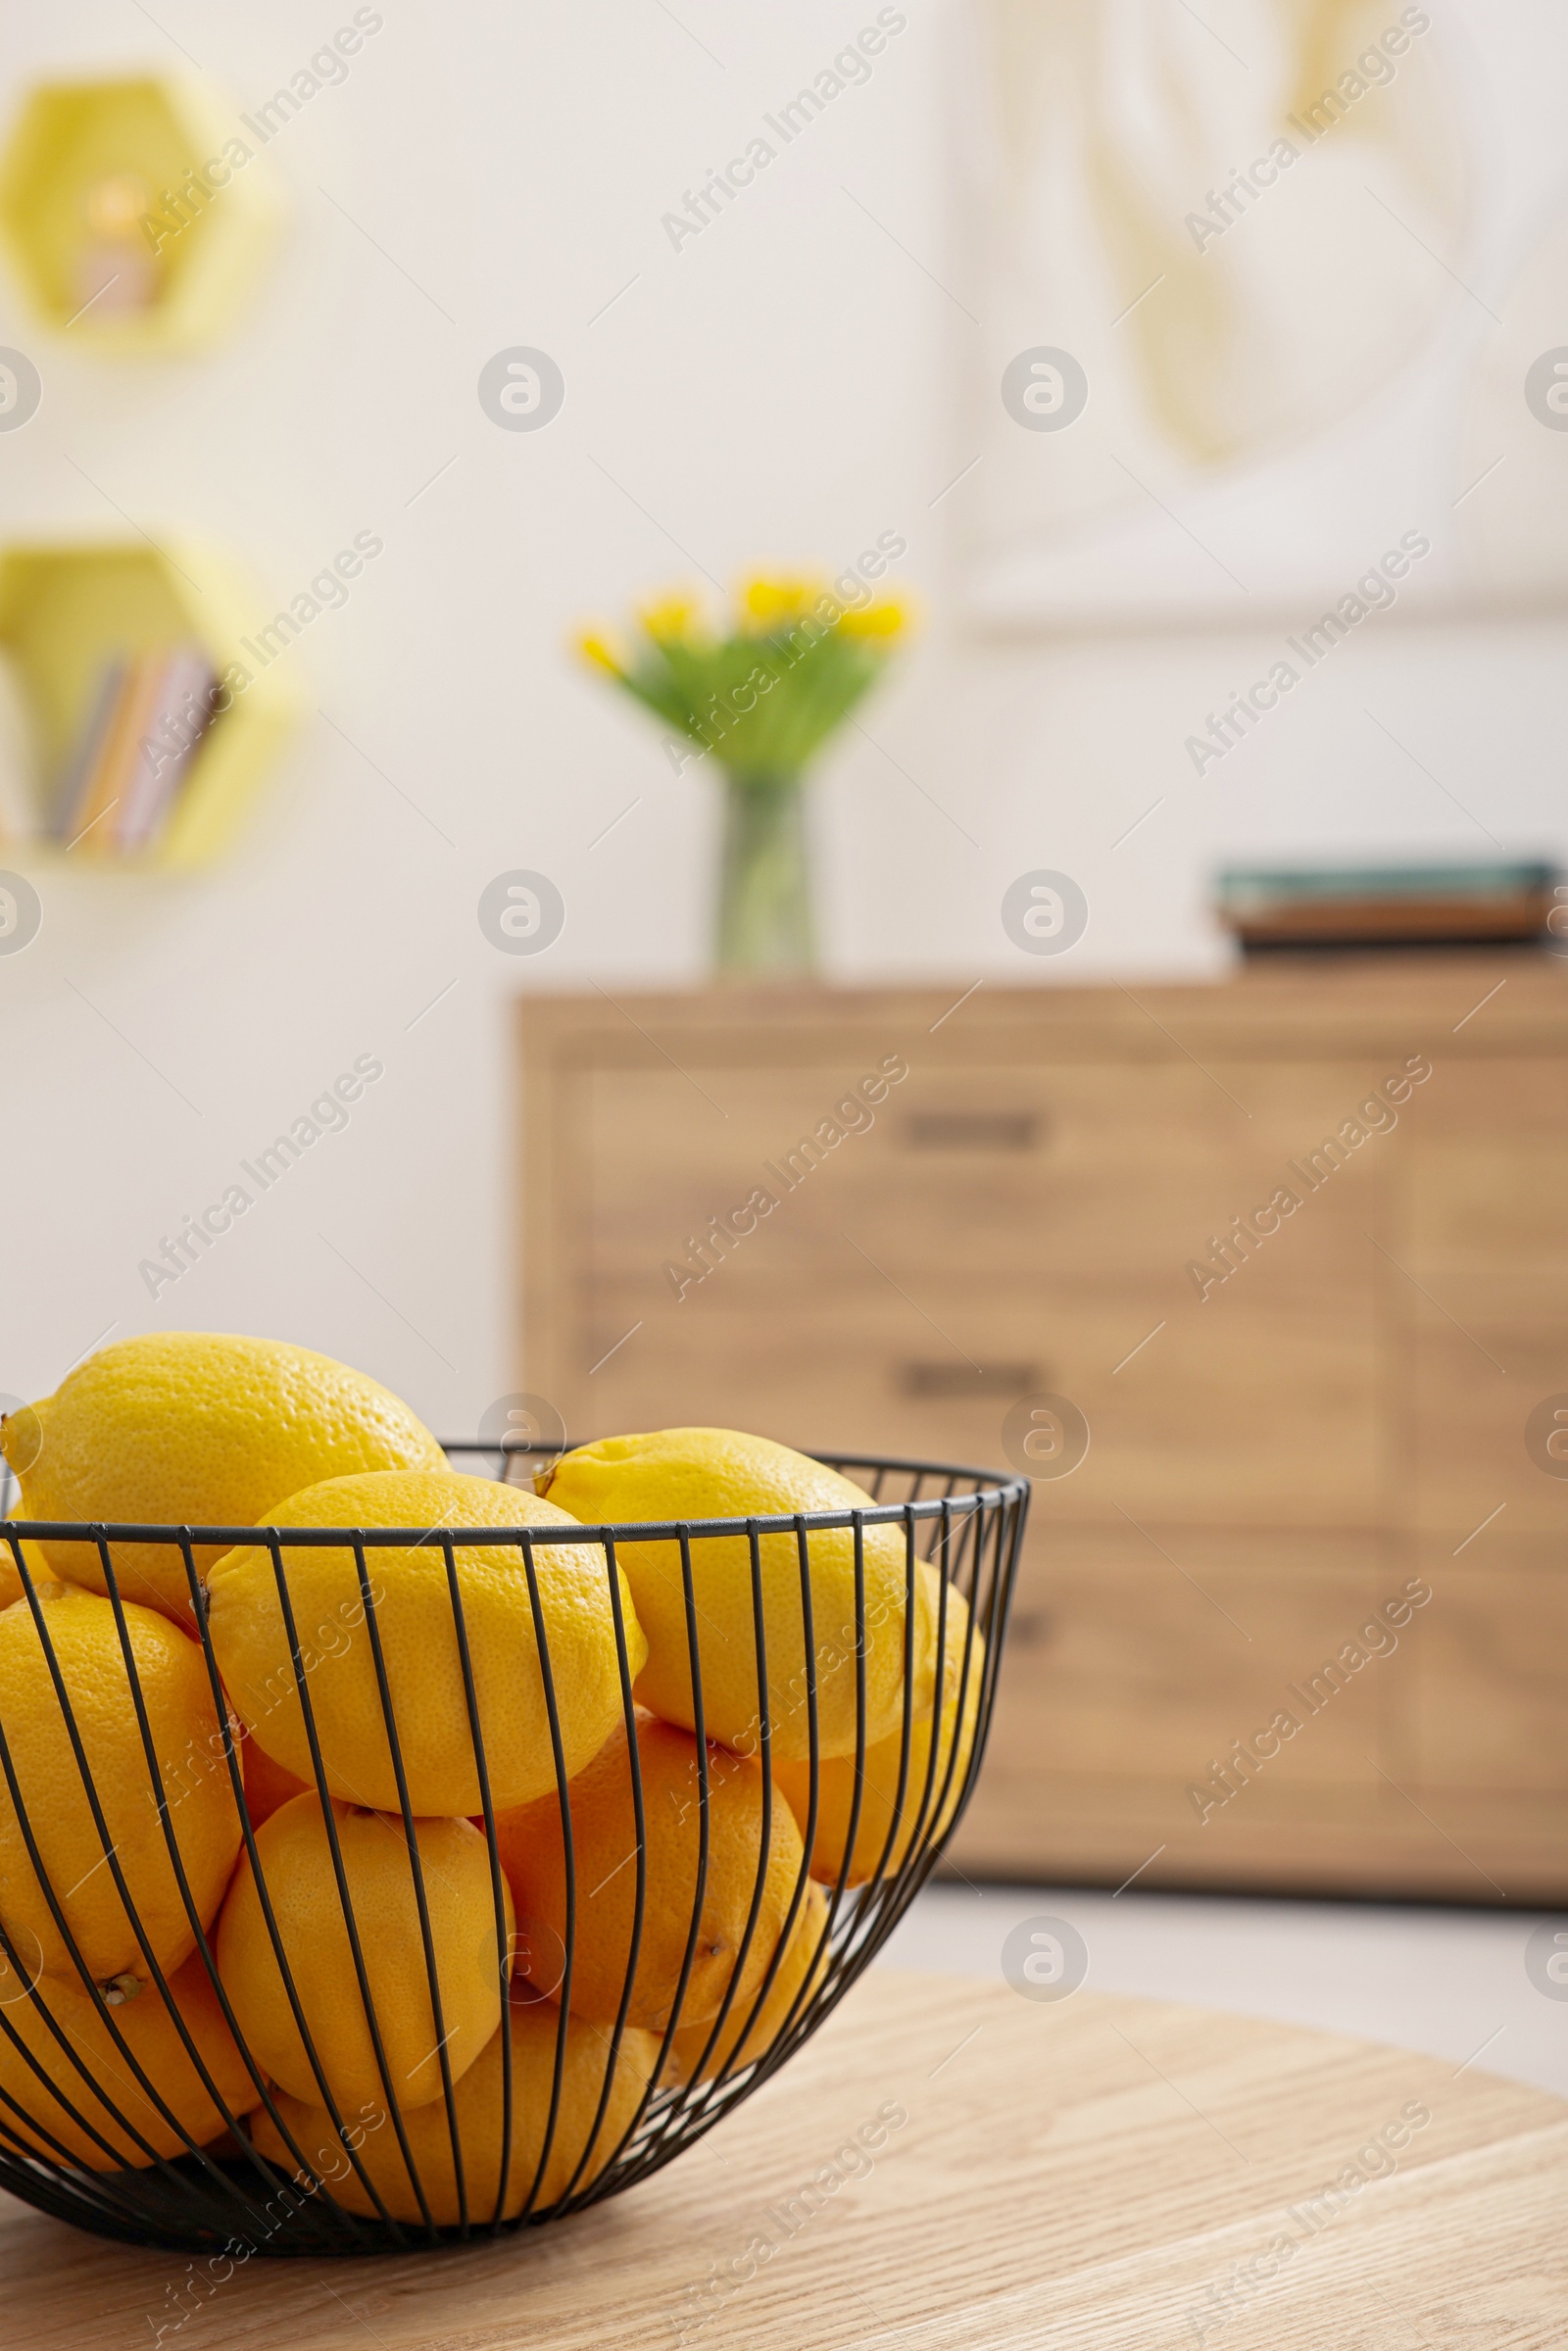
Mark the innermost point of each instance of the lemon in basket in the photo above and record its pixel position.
(887, 1827)
(116, 2123)
(479, 2102)
(806, 1956)
(11, 1585)
(188, 1770)
(378, 1864)
(604, 1843)
(720, 1473)
(10, 1578)
(421, 1654)
(188, 1428)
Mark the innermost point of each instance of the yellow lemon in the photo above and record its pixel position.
(604, 1844)
(378, 1870)
(93, 2077)
(10, 1578)
(805, 1954)
(930, 1797)
(190, 1774)
(11, 1546)
(479, 2102)
(719, 1473)
(191, 1429)
(419, 1649)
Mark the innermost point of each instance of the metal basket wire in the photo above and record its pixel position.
(225, 2199)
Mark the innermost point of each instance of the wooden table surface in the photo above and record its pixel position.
(1089, 2173)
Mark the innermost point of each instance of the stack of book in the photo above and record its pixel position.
(1396, 906)
(145, 723)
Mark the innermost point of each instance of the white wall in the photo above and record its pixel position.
(781, 388)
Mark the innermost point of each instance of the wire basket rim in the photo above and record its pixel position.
(999, 1491)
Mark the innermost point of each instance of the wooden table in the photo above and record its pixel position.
(1090, 2173)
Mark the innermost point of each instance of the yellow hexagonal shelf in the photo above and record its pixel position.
(132, 211)
(148, 715)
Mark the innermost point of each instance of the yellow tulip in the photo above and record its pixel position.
(594, 649)
(888, 617)
(768, 598)
(672, 619)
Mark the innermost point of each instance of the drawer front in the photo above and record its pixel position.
(1126, 1738)
(1246, 1415)
(1146, 1657)
(1290, 1840)
(1132, 1170)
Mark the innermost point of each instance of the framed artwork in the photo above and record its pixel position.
(1274, 305)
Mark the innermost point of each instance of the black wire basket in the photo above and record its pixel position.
(73, 2102)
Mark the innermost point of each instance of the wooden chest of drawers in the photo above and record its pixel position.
(1306, 1371)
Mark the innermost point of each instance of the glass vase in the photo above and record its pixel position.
(765, 927)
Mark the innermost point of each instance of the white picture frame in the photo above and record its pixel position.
(1293, 364)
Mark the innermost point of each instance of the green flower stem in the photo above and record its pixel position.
(764, 900)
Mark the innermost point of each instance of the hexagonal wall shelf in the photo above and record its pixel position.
(133, 213)
(111, 649)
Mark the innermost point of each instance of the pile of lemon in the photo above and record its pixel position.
(312, 1649)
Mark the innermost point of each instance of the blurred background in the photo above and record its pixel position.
(1148, 353)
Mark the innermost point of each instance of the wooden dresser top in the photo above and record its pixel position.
(1479, 1003)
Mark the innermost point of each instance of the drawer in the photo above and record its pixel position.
(1130, 1681)
(1204, 1423)
(1144, 1658)
(1130, 1171)
(1335, 1839)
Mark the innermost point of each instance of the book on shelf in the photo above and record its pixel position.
(73, 784)
(145, 723)
(181, 713)
(106, 785)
